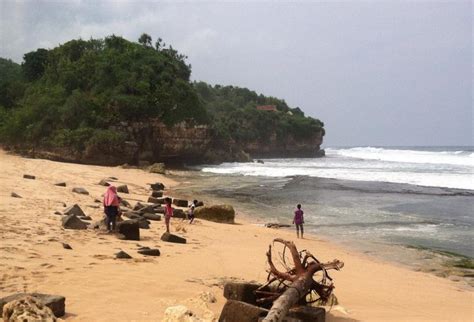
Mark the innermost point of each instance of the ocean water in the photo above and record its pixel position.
(410, 205)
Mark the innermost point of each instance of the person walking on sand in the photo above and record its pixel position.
(191, 211)
(298, 220)
(111, 207)
(168, 213)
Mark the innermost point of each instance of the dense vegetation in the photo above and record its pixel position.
(69, 96)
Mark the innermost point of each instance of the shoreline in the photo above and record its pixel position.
(99, 287)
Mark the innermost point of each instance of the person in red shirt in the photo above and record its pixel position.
(111, 207)
(298, 220)
(168, 213)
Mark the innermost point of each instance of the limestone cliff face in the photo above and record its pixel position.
(153, 141)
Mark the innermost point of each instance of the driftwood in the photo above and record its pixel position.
(296, 284)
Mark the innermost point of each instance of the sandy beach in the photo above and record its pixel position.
(99, 287)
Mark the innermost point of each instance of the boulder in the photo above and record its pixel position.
(27, 309)
(123, 188)
(216, 213)
(129, 229)
(157, 193)
(80, 190)
(179, 213)
(152, 216)
(236, 311)
(60, 184)
(157, 168)
(15, 195)
(74, 210)
(29, 176)
(123, 255)
(180, 202)
(157, 186)
(56, 303)
(167, 237)
(66, 246)
(72, 222)
(104, 183)
(150, 252)
(154, 200)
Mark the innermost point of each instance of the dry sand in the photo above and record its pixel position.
(99, 287)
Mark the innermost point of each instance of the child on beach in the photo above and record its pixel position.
(191, 211)
(298, 220)
(168, 213)
(111, 207)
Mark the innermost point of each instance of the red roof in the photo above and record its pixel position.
(267, 108)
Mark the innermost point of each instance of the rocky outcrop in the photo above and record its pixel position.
(216, 213)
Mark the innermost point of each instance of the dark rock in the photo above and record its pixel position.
(241, 292)
(56, 303)
(161, 200)
(122, 188)
(97, 200)
(104, 183)
(81, 191)
(180, 202)
(152, 216)
(260, 161)
(72, 222)
(125, 203)
(157, 194)
(143, 223)
(157, 186)
(123, 255)
(179, 213)
(129, 229)
(58, 213)
(159, 209)
(60, 184)
(138, 206)
(85, 218)
(236, 311)
(199, 204)
(74, 210)
(143, 247)
(154, 200)
(29, 176)
(276, 225)
(15, 195)
(216, 213)
(64, 204)
(66, 246)
(167, 237)
(147, 210)
(132, 215)
(150, 252)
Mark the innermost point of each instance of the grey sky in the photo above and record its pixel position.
(376, 72)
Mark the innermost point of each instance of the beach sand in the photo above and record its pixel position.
(99, 287)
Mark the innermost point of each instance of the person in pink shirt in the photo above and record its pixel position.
(298, 220)
(111, 207)
(168, 213)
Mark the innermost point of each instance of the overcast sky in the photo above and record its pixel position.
(376, 72)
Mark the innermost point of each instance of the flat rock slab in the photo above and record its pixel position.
(167, 237)
(123, 188)
(15, 195)
(73, 222)
(74, 210)
(29, 176)
(152, 217)
(150, 252)
(129, 229)
(81, 191)
(60, 184)
(157, 193)
(56, 303)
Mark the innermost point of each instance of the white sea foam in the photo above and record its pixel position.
(450, 169)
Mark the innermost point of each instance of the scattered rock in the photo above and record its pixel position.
(157, 168)
(58, 213)
(150, 252)
(27, 309)
(123, 188)
(154, 200)
(157, 186)
(167, 237)
(15, 195)
(123, 255)
(60, 184)
(72, 222)
(29, 176)
(56, 303)
(74, 210)
(104, 183)
(208, 297)
(97, 200)
(157, 194)
(138, 206)
(216, 213)
(81, 191)
(180, 313)
(152, 216)
(64, 204)
(276, 225)
(149, 209)
(180, 202)
(66, 246)
(129, 229)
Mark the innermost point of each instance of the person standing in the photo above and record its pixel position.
(191, 211)
(298, 220)
(111, 207)
(168, 213)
